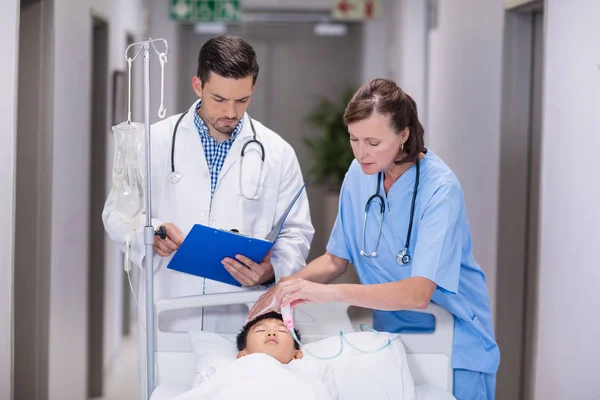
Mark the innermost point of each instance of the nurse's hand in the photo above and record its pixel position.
(297, 291)
(264, 302)
(247, 272)
(294, 291)
(164, 247)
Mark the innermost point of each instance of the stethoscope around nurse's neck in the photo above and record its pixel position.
(174, 176)
(402, 257)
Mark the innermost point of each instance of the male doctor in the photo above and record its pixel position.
(218, 186)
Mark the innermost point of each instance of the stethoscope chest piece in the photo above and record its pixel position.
(174, 177)
(403, 258)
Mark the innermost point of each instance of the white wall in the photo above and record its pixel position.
(9, 34)
(161, 26)
(464, 97)
(377, 44)
(408, 54)
(567, 346)
(70, 202)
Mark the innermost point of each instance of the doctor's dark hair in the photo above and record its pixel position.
(229, 57)
(384, 97)
(243, 335)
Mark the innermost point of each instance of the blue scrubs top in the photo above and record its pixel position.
(440, 247)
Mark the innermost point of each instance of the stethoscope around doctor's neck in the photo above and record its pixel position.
(175, 176)
(402, 257)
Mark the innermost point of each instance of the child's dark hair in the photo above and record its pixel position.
(243, 335)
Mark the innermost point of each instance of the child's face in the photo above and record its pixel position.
(270, 336)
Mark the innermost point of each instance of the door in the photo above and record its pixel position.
(96, 263)
(32, 202)
(519, 197)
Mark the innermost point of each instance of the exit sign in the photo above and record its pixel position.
(356, 10)
(205, 10)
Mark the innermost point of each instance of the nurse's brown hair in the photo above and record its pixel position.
(384, 97)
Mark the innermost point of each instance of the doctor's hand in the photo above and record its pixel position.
(247, 272)
(164, 247)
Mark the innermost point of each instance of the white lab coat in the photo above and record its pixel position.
(189, 202)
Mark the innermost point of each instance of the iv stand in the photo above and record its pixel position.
(148, 229)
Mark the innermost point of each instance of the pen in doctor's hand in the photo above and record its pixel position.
(164, 247)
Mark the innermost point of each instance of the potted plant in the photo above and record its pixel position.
(330, 151)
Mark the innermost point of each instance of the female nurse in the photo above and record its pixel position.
(402, 223)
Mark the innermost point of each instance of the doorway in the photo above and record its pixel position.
(32, 202)
(96, 262)
(519, 197)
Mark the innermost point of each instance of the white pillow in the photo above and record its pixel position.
(211, 350)
(380, 375)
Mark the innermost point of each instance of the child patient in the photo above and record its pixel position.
(268, 357)
(267, 334)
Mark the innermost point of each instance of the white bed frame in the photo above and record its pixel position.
(429, 354)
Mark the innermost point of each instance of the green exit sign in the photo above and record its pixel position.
(205, 10)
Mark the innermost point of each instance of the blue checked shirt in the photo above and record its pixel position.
(214, 152)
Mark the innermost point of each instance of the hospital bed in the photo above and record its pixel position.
(428, 355)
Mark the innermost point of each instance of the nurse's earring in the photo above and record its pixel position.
(405, 136)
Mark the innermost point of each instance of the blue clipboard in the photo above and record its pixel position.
(205, 247)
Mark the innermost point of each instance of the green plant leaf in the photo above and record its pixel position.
(330, 151)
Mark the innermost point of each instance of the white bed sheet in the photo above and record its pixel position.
(163, 392)
(424, 392)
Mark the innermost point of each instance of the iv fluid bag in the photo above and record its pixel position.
(128, 181)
